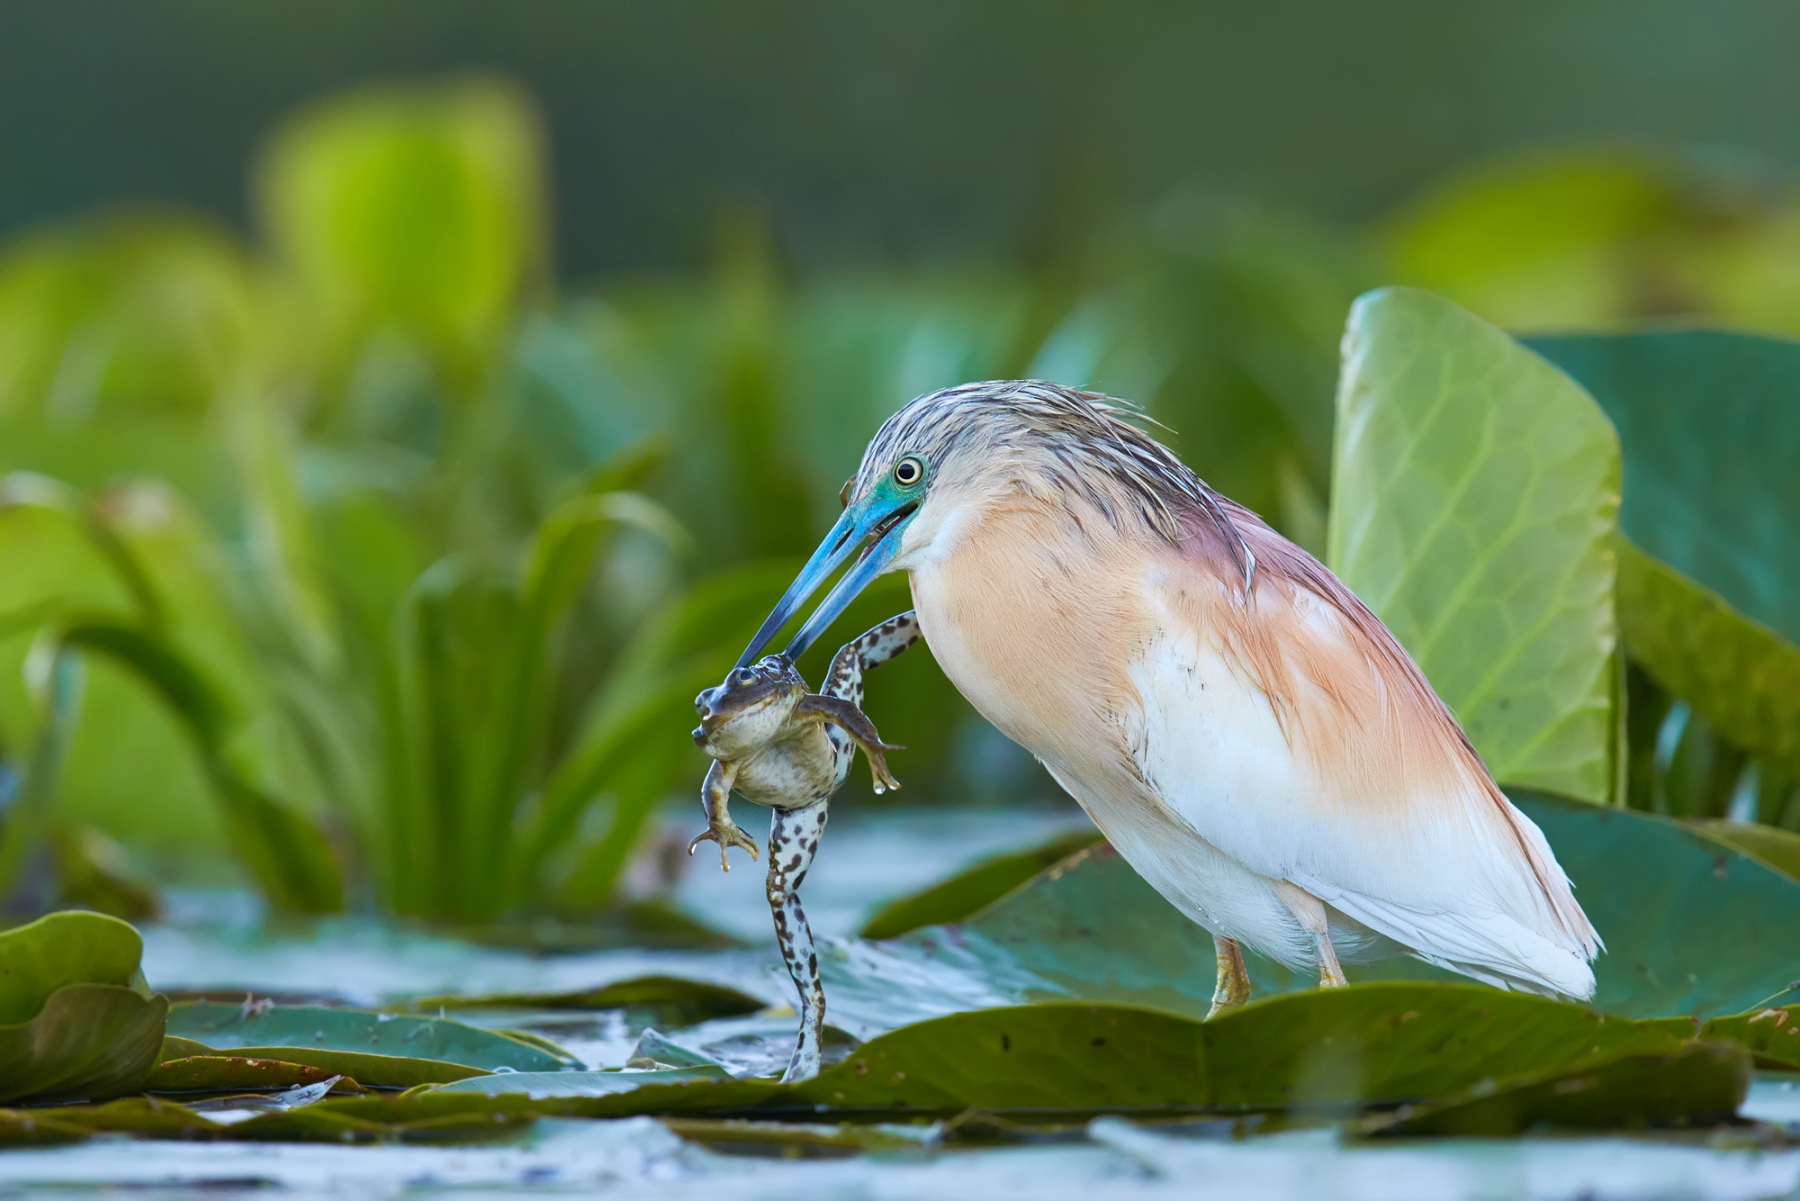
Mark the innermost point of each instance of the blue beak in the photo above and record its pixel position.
(874, 517)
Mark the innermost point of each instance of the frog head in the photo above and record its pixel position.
(750, 709)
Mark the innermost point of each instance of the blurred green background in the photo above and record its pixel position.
(407, 408)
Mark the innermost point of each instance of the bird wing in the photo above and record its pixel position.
(1289, 729)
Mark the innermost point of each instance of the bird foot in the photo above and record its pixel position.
(727, 834)
(1233, 988)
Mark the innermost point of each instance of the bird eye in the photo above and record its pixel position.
(908, 471)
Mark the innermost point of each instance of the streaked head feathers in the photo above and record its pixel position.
(1042, 438)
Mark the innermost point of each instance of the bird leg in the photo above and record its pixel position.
(1233, 988)
(1330, 974)
(1309, 911)
(856, 723)
(793, 837)
(715, 797)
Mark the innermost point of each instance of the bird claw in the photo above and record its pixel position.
(727, 835)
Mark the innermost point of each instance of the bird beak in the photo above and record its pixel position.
(881, 519)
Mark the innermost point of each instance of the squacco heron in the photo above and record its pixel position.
(1244, 731)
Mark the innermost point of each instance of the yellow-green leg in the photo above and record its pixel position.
(1233, 988)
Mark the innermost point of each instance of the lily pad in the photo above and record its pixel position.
(262, 1029)
(1776, 847)
(1699, 1084)
(954, 899)
(217, 1073)
(1475, 493)
(88, 1041)
(1772, 1035)
(61, 949)
(1403, 1041)
(310, 1064)
(1710, 601)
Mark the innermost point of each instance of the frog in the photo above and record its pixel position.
(777, 744)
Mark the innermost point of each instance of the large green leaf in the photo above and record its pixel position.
(229, 1027)
(1474, 495)
(61, 949)
(1709, 590)
(1693, 926)
(88, 1041)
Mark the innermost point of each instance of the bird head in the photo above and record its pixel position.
(938, 462)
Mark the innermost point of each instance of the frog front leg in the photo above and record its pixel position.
(793, 837)
(715, 796)
(856, 723)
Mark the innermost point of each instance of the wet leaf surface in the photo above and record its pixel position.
(316, 1028)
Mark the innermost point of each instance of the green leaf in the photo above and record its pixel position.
(1709, 589)
(1473, 504)
(88, 1041)
(122, 318)
(1392, 1042)
(962, 894)
(1772, 1035)
(1778, 848)
(60, 949)
(1054, 1055)
(410, 208)
(217, 1073)
(1699, 1085)
(229, 1027)
(306, 1065)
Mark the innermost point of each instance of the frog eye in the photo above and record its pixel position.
(909, 471)
(744, 675)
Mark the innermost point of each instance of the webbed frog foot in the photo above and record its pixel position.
(884, 779)
(727, 834)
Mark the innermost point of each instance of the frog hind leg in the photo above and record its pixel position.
(854, 722)
(793, 837)
(869, 649)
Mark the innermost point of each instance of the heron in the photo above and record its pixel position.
(1242, 729)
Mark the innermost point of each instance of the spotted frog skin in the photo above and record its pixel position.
(776, 744)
